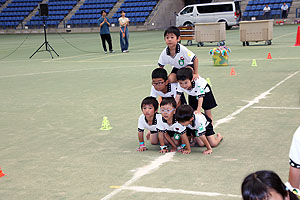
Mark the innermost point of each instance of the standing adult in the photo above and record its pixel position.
(294, 175)
(124, 33)
(284, 10)
(104, 32)
(267, 12)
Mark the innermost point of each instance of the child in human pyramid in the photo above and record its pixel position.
(179, 126)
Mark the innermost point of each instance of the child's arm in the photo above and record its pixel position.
(163, 147)
(206, 143)
(142, 146)
(185, 140)
(195, 75)
(168, 138)
(200, 102)
(177, 99)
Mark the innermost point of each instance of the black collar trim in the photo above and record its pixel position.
(177, 50)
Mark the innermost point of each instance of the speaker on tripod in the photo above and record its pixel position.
(43, 12)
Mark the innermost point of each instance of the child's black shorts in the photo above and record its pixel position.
(171, 133)
(209, 101)
(174, 70)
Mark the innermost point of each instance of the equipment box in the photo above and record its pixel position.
(187, 33)
(210, 32)
(255, 31)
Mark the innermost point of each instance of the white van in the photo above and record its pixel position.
(228, 12)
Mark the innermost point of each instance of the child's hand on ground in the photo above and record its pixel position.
(140, 149)
(195, 76)
(207, 152)
(174, 149)
(164, 151)
(185, 151)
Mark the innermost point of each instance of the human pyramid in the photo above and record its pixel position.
(179, 125)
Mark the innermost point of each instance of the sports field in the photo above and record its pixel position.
(51, 111)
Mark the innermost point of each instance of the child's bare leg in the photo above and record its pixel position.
(154, 138)
(214, 141)
(209, 114)
(172, 78)
(177, 142)
(199, 141)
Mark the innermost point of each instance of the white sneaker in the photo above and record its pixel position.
(105, 52)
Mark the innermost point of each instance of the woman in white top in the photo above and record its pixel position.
(124, 33)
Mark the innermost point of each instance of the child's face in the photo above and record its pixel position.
(171, 40)
(167, 111)
(159, 83)
(186, 84)
(148, 110)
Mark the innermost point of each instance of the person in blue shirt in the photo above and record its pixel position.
(104, 32)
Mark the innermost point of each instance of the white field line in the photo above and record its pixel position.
(279, 108)
(254, 101)
(168, 190)
(143, 171)
(167, 157)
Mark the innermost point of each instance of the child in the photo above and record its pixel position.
(266, 185)
(165, 124)
(148, 120)
(199, 91)
(200, 126)
(177, 55)
(161, 86)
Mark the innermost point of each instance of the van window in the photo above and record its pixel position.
(187, 10)
(215, 8)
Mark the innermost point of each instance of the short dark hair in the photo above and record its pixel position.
(123, 11)
(102, 11)
(150, 101)
(184, 113)
(256, 186)
(172, 29)
(184, 73)
(168, 100)
(160, 73)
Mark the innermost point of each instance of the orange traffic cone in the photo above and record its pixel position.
(298, 37)
(269, 56)
(232, 72)
(1, 173)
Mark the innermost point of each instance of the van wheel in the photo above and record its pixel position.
(189, 43)
(188, 24)
(228, 27)
(244, 43)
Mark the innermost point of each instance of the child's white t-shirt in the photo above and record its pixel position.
(182, 58)
(198, 88)
(163, 126)
(295, 150)
(199, 123)
(171, 91)
(143, 123)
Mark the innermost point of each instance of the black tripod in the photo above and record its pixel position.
(46, 43)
